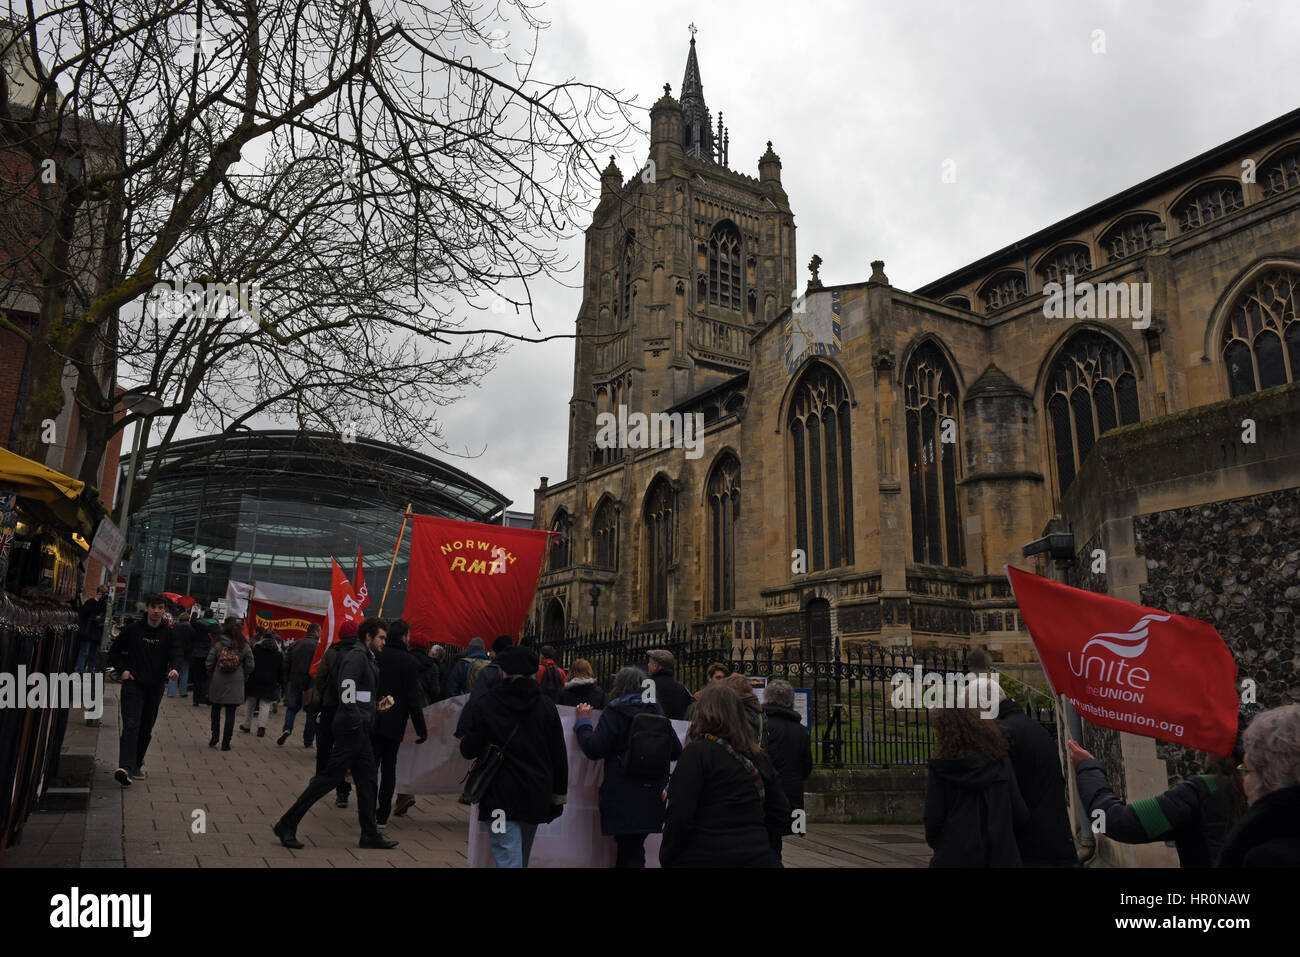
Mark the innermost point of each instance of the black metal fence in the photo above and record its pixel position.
(850, 697)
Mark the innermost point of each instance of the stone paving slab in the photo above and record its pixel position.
(242, 792)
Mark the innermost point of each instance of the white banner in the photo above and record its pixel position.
(572, 840)
(236, 599)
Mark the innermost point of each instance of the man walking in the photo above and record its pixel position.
(297, 665)
(669, 692)
(325, 691)
(92, 630)
(146, 654)
(399, 679)
(185, 632)
(354, 721)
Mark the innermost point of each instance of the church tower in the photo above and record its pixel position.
(684, 261)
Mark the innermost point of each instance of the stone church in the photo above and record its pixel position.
(1109, 401)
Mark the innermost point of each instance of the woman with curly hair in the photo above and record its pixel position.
(972, 802)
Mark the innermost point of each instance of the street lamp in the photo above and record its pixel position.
(595, 603)
(146, 406)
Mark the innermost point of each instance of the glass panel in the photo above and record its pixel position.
(1059, 411)
(1268, 353)
(1241, 369)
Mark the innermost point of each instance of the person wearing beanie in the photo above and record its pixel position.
(1196, 814)
(482, 679)
(530, 787)
(460, 676)
(325, 699)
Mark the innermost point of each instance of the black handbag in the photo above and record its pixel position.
(485, 768)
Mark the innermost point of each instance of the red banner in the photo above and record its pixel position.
(1132, 668)
(344, 606)
(359, 582)
(470, 580)
(290, 623)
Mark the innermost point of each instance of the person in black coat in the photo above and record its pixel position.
(146, 653)
(263, 684)
(186, 633)
(724, 798)
(399, 678)
(671, 694)
(1196, 814)
(631, 808)
(297, 679)
(91, 628)
(430, 678)
(581, 688)
(786, 741)
(1044, 840)
(533, 781)
(973, 806)
(206, 631)
(1268, 834)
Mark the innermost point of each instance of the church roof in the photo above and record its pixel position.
(993, 381)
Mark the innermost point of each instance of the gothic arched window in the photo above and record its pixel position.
(723, 500)
(561, 555)
(724, 266)
(1129, 236)
(659, 547)
(1207, 203)
(1092, 389)
(625, 278)
(823, 469)
(605, 532)
(1003, 289)
(817, 630)
(1072, 259)
(1281, 172)
(930, 389)
(1261, 339)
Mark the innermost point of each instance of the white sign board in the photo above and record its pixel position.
(108, 544)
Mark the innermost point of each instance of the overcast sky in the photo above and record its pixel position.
(863, 102)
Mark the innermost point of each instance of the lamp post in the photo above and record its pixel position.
(595, 603)
(146, 406)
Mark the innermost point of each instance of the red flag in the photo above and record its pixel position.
(344, 606)
(359, 582)
(470, 580)
(1132, 668)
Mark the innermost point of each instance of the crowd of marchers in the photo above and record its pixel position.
(725, 797)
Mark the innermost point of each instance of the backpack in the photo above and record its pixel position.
(650, 747)
(228, 660)
(476, 666)
(552, 684)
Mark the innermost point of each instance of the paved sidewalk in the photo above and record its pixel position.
(203, 807)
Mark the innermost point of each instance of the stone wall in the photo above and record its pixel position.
(1235, 564)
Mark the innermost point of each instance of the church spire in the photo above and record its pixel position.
(697, 138)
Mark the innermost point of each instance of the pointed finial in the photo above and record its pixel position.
(692, 29)
(667, 89)
(769, 144)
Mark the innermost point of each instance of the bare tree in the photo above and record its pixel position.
(323, 186)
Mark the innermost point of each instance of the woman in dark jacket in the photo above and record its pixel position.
(630, 807)
(581, 687)
(972, 803)
(1196, 814)
(786, 741)
(724, 795)
(263, 685)
(226, 689)
(1268, 834)
(534, 777)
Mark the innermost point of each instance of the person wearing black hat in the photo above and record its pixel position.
(1196, 814)
(531, 785)
(358, 702)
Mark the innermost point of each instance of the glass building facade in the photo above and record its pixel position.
(277, 506)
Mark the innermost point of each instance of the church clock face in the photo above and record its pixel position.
(812, 328)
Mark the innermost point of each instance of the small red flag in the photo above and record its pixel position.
(359, 582)
(1132, 668)
(344, 606)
